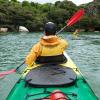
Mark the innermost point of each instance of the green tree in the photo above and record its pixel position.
(13, 0)
(25, 3)
(34, 15)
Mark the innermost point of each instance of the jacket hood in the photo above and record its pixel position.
(50, 40)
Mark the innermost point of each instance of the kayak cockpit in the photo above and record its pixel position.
(51, 75)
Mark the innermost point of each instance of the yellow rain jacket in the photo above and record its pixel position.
(48, 46)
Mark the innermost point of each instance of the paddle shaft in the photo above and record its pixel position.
(20, 65)
(61, 29)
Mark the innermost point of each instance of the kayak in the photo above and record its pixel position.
(39, 81)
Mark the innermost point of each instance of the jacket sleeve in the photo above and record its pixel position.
(33, 54)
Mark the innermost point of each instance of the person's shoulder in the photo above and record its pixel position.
(63, 42)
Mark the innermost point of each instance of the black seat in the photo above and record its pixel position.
(58, 59)
(51, 75)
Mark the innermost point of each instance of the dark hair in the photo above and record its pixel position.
(50, 28)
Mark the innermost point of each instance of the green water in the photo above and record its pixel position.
(85, 52)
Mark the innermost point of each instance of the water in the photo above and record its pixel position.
(85, 52)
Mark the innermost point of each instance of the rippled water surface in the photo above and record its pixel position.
(85, 52)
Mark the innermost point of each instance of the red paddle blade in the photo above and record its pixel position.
(76, 17)
(2, 74)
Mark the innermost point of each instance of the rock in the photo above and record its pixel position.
(3, 29)
(23, 29)
(96, 31)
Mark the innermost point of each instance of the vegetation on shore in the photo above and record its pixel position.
(34, 15)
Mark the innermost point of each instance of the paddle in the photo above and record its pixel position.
(76, 17)
(2, 74)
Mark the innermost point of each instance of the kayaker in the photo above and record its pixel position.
(49, 49)
(76, 33)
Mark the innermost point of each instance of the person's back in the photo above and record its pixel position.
(48, 48)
